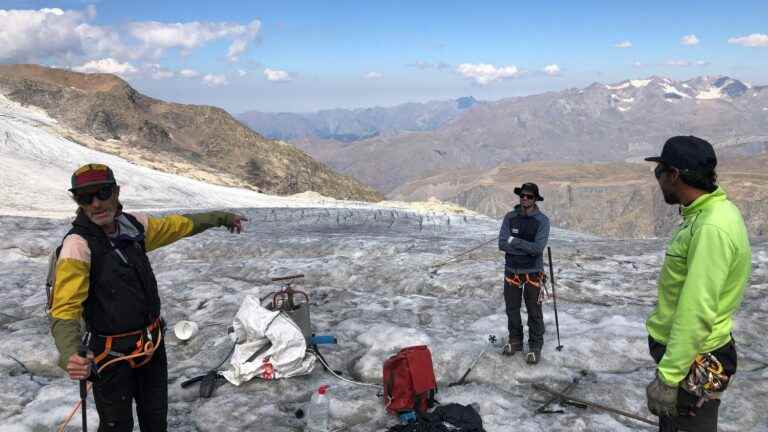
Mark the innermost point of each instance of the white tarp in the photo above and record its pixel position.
(286, 355)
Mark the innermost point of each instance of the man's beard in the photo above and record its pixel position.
(670, 198)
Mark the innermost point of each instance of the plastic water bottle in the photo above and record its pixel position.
(317, 416)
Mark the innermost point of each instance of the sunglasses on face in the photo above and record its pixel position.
(528, 196)
(103, 194)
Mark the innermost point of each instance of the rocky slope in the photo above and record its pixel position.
(611, 199)
(104, 112)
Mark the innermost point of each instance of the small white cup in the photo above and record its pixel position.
(184, 330)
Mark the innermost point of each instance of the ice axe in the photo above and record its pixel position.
(462, 381)
(554, 297)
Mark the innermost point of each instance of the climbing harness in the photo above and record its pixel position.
(537, 281)
(144, 338)
(149, 349)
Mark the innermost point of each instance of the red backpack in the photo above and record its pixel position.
(409, 381)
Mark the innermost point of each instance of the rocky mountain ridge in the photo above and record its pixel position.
(602, 122)
(102, 111)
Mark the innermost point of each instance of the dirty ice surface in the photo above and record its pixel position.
(369, 286)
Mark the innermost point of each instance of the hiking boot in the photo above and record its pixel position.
(533, 357)
(511, 347)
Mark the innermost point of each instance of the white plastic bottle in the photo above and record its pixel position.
(317, 414)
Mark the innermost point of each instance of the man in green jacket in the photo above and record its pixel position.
(700, 288)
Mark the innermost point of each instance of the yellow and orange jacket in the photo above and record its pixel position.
(73, 282)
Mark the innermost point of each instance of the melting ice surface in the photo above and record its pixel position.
(368, 279)
(369, 286)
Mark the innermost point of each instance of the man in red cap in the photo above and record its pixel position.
(104, 278)
(702, 280)
(523, 237)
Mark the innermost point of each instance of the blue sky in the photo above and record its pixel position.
(309, 55)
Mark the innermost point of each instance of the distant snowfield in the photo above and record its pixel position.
(369, 279)
(36, 166)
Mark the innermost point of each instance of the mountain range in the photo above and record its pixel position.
(358, 124)
(472, 158)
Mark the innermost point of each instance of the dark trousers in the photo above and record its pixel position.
(119, 385)
(513, 297)
(691, 418)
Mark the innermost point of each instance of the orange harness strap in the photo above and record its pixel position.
(141, 344)
(536, 281)
(516, 280)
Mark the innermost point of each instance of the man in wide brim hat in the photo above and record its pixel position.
(531, 188)
(523, 237)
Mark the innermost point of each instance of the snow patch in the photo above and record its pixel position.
(621, 99)
(672, 89)
(711, 93)
(618, 87)
(639, 83)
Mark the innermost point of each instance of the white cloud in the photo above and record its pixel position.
(702, 63)
(189, 73)
(679, 63)
(373, 75)
(421, 64)
(487, 73)
(276, 75)
(624, 44)
(68, 36)
(552, 70)
(240, 45)
(39, 35)
(753, 40)
(237, 47)
(242, 72)
(155, 71)
(689, 40)
(215, 80)
(158, 36)
(107, 65)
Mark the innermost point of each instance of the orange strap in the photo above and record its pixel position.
(140, 345)
(514, 280)
(517, 280)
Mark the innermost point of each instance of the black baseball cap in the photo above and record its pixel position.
(688, 153)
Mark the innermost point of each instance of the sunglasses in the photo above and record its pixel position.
(528, 196)
(103, 194)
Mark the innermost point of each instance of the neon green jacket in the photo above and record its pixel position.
(702, 281)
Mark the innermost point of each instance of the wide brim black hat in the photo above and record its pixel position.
(530, 188)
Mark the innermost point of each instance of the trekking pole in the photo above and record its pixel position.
(554, 297)
(462, 380)
(83, 352)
